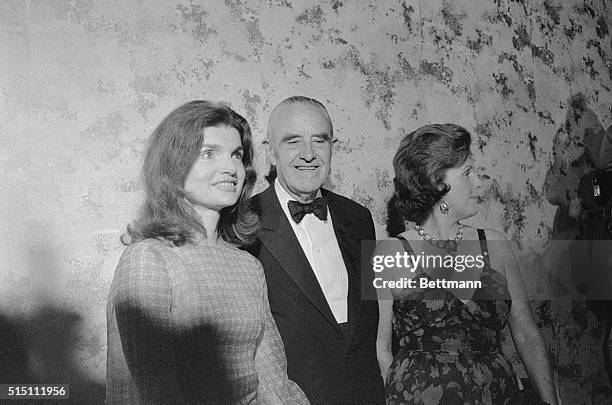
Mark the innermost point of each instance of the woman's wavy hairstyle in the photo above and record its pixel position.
(172, 150)
(420, 164)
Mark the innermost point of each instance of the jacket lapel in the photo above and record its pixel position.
(278, 237)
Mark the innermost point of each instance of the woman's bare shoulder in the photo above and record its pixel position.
(388, 246)
(492, 234)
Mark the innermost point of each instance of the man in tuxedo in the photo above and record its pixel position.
(309, 245)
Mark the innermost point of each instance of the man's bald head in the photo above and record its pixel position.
(276, 113)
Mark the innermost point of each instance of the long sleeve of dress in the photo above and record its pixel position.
(140, 302)
(271, 363)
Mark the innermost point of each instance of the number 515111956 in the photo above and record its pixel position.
(34, 391)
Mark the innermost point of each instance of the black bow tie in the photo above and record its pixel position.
(317, 207)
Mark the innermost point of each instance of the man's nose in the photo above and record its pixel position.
(307, 152)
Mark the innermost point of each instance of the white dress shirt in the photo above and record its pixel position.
(320, 245)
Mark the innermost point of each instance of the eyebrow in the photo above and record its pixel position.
(217, 146)
(288, 137)
(323, 135)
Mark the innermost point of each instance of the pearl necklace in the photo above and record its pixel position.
(449, 245)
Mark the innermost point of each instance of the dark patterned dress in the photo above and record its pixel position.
(450, 351)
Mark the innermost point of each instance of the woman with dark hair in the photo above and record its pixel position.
(188, 314)
(448, 329)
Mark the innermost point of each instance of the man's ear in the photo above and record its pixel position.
(270, 151)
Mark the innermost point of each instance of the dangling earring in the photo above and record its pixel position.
(443, 207)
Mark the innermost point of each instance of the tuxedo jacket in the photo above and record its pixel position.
(330, 366)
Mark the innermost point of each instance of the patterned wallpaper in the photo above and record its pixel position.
(83, 84)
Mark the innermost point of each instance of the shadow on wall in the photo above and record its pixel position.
(40, 349)
(576, 150)
(575, 335)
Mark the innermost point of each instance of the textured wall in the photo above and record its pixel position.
(83, 83)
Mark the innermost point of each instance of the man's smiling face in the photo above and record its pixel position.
(301, 142)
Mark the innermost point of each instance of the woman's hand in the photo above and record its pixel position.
(383, 339)
(385, 305)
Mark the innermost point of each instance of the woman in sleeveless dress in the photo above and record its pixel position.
(188, 315)
(448, 319)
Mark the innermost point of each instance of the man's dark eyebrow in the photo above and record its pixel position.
(288, 137)
(323, 135)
